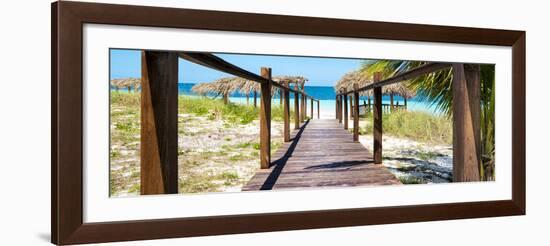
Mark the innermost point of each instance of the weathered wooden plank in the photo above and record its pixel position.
(323, 178)
(377, 116)
(322, 154)
(319, 179)
(159, 123)
(330, 170)
(347, 161)
(320, 148)
(265, 119)
(466, 120)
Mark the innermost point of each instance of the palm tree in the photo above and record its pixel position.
(437, 88)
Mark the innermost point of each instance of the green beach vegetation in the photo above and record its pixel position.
(218, 144)
(418, 125)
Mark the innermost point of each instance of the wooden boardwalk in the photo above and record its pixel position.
(321, 154)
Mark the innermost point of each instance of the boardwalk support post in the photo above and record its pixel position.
(302, 105)
(265, 119)
(159, 123)
(311, 108)
(466, 122)
(355, 115)
(255, 98)
(286, 112)
(345, 110)
(305, 107)
(377, 116)
(369, 105)
(392, 106)
(351, 106)
(296, 108)
(338, 117)
(318, 109)
(336, 107)
(342, 108)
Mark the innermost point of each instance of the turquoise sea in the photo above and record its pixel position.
(325, 94)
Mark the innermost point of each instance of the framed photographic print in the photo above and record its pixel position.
(175, 122)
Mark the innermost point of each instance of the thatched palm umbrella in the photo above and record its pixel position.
(349, 82)
(127, 83)
(359, 79)
(223, 86)
(282, 79)
(228, 85)
(249, 86)
(203, 88)
(398, 89)
(352, 80)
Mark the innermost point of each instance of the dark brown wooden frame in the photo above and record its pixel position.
(67, 131)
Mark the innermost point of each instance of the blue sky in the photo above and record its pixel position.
(319, 71)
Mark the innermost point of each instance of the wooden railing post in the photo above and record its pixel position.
(355, 115)
(159, 123)
(281, 96)
(340, 109)
(318, 109)
(345, 110)
(255, 98)
(311, 107)
(351, 105)
(377, 117)
(370, 105)
(305, 107)
(466, 122)
(302, 104)
(286, 112)
(296, 108)
(391, 102)
(336, 107)
(265, 119)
